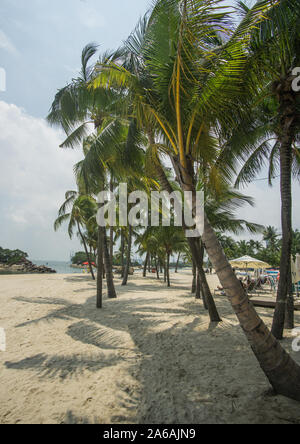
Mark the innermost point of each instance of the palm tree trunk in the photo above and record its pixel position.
(111, 233)
(177, 264)
(168, 270)
(290, 308)
(86, 251)
(197, 250)
(157, 269)
(100, 268)
(194, 283)
(122, 254)
(286, 221)
(126, 274)
(280, 369)
(198, 286)
(146, 265)
(165, 271)
(111, 291)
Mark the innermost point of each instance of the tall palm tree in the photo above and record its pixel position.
(275, 124)
(192, 86)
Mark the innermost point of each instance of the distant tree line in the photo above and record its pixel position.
(11, 257)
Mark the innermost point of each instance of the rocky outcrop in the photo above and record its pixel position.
(25, 266)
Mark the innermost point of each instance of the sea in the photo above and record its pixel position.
(59, 267)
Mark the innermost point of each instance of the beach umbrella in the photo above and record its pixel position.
(296, 269)
(249, 262)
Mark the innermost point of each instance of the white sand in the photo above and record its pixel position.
(148, 357)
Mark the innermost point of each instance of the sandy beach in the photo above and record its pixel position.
(150, 356)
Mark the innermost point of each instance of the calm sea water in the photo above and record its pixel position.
(59, 267)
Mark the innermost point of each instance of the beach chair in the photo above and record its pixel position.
(254, 286)
(273, 283)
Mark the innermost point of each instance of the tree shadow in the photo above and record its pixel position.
(176, 355)
(63, 367)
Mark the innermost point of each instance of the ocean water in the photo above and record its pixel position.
(59, 267)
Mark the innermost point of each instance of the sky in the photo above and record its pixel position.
(40, 48)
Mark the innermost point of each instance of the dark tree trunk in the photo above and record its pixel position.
(194, 283)
(100, 268)
(165, 271)
(286, 221)
(290, 308)
(111, 291)
(157, 269)
(177, 264)
(197, 250)
(198, 286)
(146, 265)
(168, 270)
(111, 231)
(128, 256)
(86, 251)
(122, 254)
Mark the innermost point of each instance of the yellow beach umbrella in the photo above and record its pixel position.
(246, 262)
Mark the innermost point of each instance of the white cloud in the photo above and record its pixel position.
(6, 44)
(90, 17)
(267, 209)
(34, 176)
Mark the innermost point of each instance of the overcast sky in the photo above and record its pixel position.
(40, 47)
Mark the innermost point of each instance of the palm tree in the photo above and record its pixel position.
(128, 256)
(187, 92)
(273, 53)
(270, 236)
(82, 208)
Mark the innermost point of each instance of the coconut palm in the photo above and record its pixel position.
(193, 86)
(273, 54)
(76, 210)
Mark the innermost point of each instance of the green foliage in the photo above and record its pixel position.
(11, 257)
(270, 254)
(81, 257)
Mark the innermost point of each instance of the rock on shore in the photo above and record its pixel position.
(25, 266)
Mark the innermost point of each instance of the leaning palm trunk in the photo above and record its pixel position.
(282, 372)
(126, 274)
(111, 291)
(100, 268)
(86, 251)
